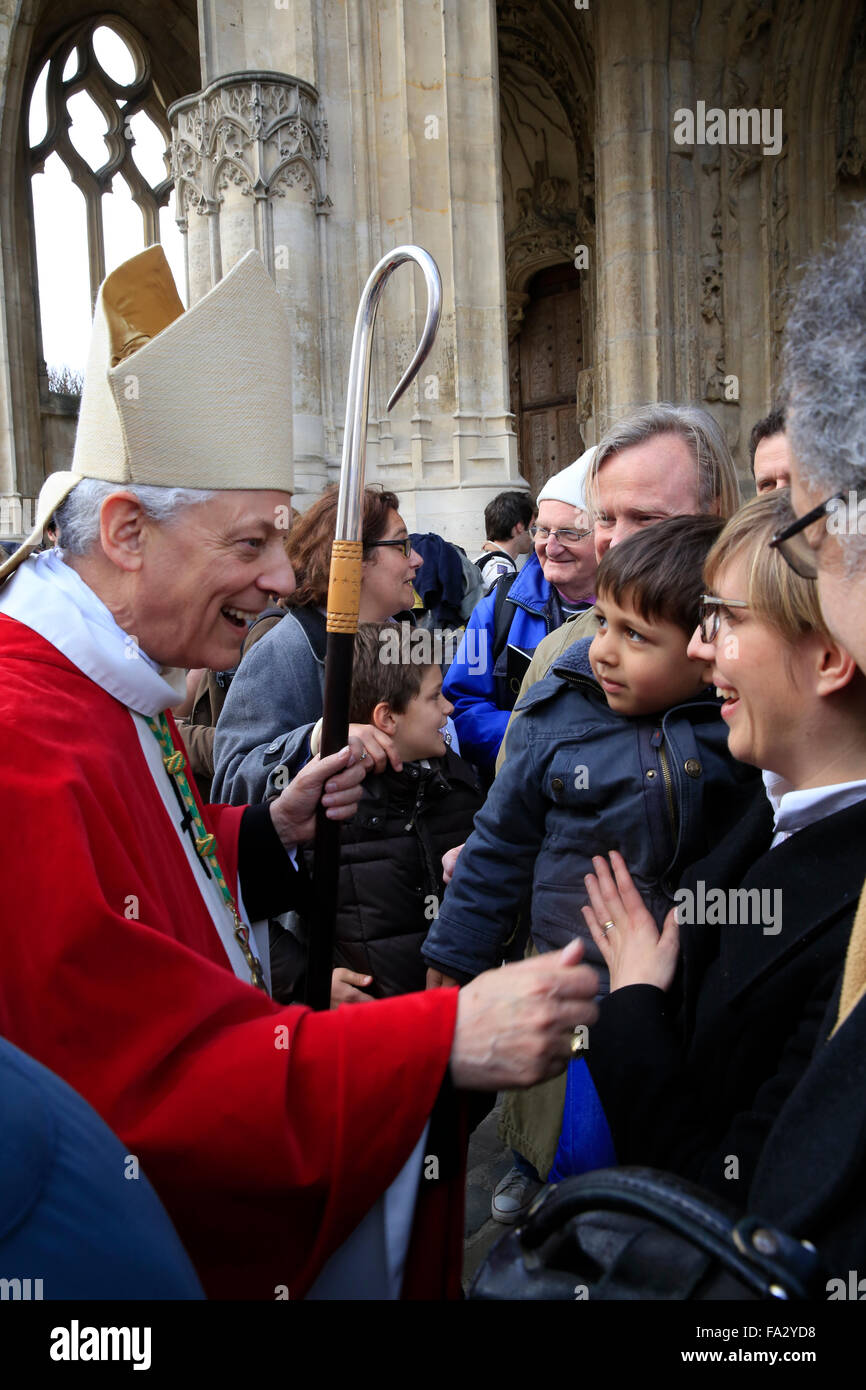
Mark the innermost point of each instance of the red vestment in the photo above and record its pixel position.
(268, 1132)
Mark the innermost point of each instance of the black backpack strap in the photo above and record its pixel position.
(268, 613)
(492, 555)
(502, 617)
(315, 627)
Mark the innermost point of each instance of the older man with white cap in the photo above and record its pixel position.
(508, 624)
(274, 1136)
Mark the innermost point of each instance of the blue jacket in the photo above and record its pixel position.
(77, 1218)
(473, 685)
(581, 780)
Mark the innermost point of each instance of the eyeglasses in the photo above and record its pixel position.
(794, 545)
(566, 535)
(404, 545)
(711, 612)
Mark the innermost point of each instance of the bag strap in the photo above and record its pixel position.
(767, 1259)
(267, 613)
(314, 626)
(492, 555)
(502, 617)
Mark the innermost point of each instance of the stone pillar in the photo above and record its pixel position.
(633, 137)
(249, 155)
(237, 35)
(426, 130)
(396, 102)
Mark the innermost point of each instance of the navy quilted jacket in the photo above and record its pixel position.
(581, 780)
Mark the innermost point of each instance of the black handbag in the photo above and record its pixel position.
(636, 1233)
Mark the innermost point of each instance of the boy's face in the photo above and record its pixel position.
(642, 666)
(418, 730)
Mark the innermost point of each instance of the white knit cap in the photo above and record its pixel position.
(195, 399)
(570, 484)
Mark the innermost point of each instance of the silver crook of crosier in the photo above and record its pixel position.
(358, 395)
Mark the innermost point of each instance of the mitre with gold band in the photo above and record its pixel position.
(196, 398)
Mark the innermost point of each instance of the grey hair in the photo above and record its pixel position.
(78, 515)
(704, 436)
(825, 375)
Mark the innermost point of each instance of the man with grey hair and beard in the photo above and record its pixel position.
(811, 1178)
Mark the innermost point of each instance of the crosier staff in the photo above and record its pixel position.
(344, 589)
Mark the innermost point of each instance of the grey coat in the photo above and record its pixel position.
(273, 702)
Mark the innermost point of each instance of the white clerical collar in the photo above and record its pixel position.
(49, 597)
(794, 810)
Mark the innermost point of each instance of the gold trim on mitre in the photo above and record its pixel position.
(139, 300)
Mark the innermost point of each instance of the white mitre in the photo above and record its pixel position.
(172, 398)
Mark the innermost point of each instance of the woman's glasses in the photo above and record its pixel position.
(711, 613)
(404, 545)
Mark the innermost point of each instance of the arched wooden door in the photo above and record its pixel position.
(549, 352)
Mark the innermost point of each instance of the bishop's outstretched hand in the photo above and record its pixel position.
(515, 1025)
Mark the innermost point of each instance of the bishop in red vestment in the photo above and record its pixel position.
(273, 1135)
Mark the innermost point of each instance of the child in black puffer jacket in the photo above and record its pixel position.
(391, 852)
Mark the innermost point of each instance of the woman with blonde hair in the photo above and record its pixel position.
(709, 1025)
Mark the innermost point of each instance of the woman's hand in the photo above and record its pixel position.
(378, 747)
(625, 932)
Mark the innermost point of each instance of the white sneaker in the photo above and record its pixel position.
(512, 1196)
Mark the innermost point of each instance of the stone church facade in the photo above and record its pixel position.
(598, 247)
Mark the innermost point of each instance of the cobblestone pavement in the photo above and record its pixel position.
(488, 1161)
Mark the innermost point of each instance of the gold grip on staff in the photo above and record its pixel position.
(344, 586)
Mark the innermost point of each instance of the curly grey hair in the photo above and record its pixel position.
(825, 374)
(77, 517)
(716, 473)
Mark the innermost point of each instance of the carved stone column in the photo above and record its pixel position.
(634, 276)
(249, 160)
(425, 152)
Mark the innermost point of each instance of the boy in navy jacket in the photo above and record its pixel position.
(620, 747)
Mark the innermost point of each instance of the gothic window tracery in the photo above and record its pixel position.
(100, 179)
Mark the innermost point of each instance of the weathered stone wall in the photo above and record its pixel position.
(502, 136)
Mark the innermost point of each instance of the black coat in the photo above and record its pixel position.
(391, 867)
(693, 1088)
(811, 1178)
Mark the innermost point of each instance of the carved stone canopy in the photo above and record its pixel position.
(546, 233)
(261, 131)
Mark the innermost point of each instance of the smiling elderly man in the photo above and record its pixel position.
(129, 967)
(663, 460)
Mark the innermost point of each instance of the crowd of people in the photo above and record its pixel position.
(606, 860)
